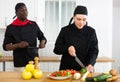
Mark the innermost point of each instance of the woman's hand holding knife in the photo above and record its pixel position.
(72, 52)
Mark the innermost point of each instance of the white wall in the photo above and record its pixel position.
(116, 34)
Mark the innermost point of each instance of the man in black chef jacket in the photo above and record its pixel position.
(77, 38)
(20, 34)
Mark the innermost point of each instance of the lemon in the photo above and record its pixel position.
(37, 73)
(30, 66)
(26, 75)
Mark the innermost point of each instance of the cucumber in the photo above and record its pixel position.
(102, 77)
(88, 79)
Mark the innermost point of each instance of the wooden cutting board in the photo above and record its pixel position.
(52, 80)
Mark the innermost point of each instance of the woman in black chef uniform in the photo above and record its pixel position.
(20, 34)
(77, 38)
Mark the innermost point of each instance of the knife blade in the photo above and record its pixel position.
(34, 47)
(78, 61)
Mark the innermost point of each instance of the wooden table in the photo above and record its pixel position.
(52, 59)
(17, 77)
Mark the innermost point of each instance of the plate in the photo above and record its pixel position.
(59, 78)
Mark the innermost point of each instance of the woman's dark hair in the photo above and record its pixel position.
(70, 20)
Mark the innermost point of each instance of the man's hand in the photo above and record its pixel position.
(23, 44)
(11, 46)
(42, 44)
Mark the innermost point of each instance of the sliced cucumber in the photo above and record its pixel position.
(92, 78)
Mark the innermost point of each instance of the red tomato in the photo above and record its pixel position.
(73, 72)
(54, 73)
(63, 73)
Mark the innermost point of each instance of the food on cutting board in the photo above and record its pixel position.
(32, 70)
(90, 74)
(103, 77)
(86, 76)
(112, 76)
(92, 78)
(113, 72)
(100, 77)
(115, 76)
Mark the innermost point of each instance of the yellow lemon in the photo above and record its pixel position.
(26, 75)
(37, 73)
(29, 67)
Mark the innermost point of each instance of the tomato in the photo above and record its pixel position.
(73, 72)
(63, 73)
(54, 73)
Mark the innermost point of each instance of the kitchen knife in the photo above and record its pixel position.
(78, 61)
(33, 47)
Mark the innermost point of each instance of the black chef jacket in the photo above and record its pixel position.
(85, 42)
(15, 34)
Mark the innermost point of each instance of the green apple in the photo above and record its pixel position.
(0, 53)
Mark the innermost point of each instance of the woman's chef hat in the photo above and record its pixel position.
(79, 10)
